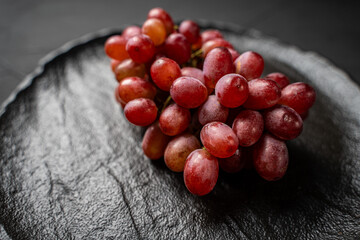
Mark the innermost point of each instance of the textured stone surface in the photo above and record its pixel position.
(71, 166)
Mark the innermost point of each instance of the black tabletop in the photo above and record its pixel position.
(31, 29)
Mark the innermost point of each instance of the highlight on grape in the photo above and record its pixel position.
(205, 105)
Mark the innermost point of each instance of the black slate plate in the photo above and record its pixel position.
(72, 167)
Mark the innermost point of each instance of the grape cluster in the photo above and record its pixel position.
(205, 104)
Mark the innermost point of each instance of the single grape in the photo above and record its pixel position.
(178, 48)
(188, 92)
(129, 68)
(279, 78)
(115, 48)
(232, 90)
(141, 111)
(162, 15)
(284, 122)
(114, 63)
(155, 29)
(250, 65)
(217, 63)
(118, 99)
(236, 162)
(190, 30)
(219, 139)
(212, 111)
(270, 157)
(131, 31)
(134, 87)
(262, 94)
(174, 119)
(214, 43)
(154, 142)
(140, 48)
(201, 172)
(178, 149)
(248, 126)
(210, 34)
(299, 96)
(163, 72)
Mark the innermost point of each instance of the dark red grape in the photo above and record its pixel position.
(235, 163)
(140, 48)
(262, 94)
(299, 96)
(188, 92)
(190, 30)
(201, 172)
(115, 48)
(214, 43)
(212, 111)
(216, 64)
(141, 111)
(129, 68)
(174, 119)
(210, 34)
(131, 31)
(154, 142)
(248, 126)
(234, 54)
(178, 149)
(270, 158)
(162, 15)
(134, 87)
(163, 72)
(279, 78)
(178, 48)
(155, 29)
(219, 139)
(283, 122)
(250, 65)
(232, 90)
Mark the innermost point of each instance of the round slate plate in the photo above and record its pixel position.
(71, 166)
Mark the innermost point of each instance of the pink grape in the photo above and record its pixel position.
(262, 94)
(141, 111)
(248, 127)
(174, 119)
(250, 65)
(212, 111)
(232, 90)
(154, 142)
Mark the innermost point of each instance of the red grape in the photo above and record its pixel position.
(210, 34)
(234, 54)
(140, 48)
(212, 111)
(250, 65)
(162, 15)
(283, 122)
(190, 30)
(195, 73)
(262, 94)
(163, 72)
(155, 29)
(234, 163)
(279, 78)
(118, 99)
(114, 63)
(141, 111)
(115, 48)
(154, 142)
(188, 92)
(219, 139)
(174, 119)
(214, 43)
(270, 158)
(232, 90)
(129, 68)
(248, 126)
(178, 48)
(216, 64)
(299, 96)
(134, 87)
(131, 31)
(201, 172)
(178, 149)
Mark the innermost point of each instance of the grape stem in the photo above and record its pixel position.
(166, 103)
(198, 53)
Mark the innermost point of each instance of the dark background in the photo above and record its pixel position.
(31, 29)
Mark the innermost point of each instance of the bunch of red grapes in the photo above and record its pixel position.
(204, 103)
